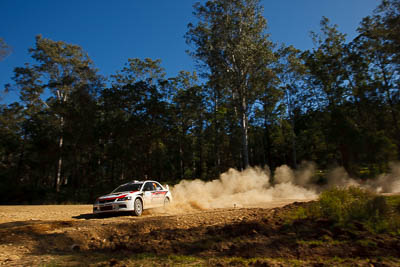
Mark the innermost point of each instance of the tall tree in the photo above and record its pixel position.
(61, 70)
(328, 72)
(292, 78)
(379, 43)
(136, 70)
(188, 116)
(133, 119)
(231, 42)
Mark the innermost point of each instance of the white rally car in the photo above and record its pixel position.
(135, 196)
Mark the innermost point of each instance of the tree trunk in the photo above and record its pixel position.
(217, 159)
(268, 146)
(21, 157)
(60, 159)
(245, 140)
(181, 163)
(294, 154)
(291, 118)
(62, 98)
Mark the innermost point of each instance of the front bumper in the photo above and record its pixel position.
(117, 206)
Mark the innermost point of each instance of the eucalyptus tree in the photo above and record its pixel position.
(326, 66)
(60, 69)
(379, 44)
(31, 105)
(11, 120)
(188, 111)
(135, 70)
(325, 63)
(230, 41)
(268, 111)
(292, 79)
(133, 111)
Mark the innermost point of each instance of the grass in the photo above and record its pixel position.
(110, 259)
(148, 259)
(394, 201)
(345, 207)
(169, 260)
(319, 242)
(367, 243)
(163, 260)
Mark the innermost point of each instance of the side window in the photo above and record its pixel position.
(148, 187)
(158, 186)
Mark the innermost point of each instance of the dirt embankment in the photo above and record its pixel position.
(40, 235)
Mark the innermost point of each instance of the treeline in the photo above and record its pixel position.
(74, 134)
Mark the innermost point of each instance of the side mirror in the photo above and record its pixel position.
(167, 187)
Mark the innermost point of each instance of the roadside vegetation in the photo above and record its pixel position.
(146, 260)
(352, 208)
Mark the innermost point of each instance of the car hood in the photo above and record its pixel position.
(117, 195)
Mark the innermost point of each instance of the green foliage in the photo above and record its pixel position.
(316, 243)
(394, 201)
(367, 243)
(343, 205)
(230, 40)
(137, 70)
(348, 206)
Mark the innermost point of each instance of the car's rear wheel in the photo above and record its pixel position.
(137, 207)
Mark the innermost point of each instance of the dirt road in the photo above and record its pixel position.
(79, 212)
(35, 234)
(69, 235)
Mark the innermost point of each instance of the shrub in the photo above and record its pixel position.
(345, 206)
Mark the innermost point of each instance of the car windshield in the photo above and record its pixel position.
(127, 187)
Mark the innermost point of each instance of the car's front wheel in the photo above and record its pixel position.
(137, 207)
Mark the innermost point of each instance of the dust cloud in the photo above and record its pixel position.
(384, 183)
(255, 186)
(250, 187)
(388, 183)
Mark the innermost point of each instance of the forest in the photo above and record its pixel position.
(74, 134)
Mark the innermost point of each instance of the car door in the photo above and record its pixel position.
(148, 195)
(159, 195)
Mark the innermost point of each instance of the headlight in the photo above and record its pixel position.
(124, 198)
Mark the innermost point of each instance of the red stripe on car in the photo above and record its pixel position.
(111, 198)
(160, 193)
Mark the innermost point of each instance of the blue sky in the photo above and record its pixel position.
(113, 31)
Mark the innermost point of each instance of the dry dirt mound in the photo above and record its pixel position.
(221, 233)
